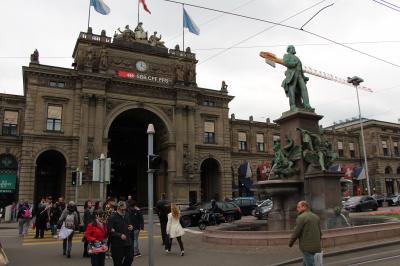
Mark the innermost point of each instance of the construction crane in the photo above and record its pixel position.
(271, 59)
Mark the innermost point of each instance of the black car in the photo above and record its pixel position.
(380, 199)
(247, 204)
(192, 215)
(394, 200)
(361, 203)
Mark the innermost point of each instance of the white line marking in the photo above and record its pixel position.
(381, 259)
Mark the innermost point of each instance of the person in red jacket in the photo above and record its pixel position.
(96, 235)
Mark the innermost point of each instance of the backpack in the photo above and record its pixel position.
(27, 214)
(70, 221)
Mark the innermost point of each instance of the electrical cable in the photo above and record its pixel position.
(285, 26)
(388, 6)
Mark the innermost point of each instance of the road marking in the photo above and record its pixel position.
(357, 258)
(376, 260)
(192, 231)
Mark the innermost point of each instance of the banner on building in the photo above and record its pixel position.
(8, 182)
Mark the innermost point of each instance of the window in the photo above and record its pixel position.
(208, 103)
(242, 141)
(260, 142)
(54, 113)
(352, 151)
(10, 123)
(340, 149)
(57, 84)
(276, 139)
(396, 148)
(209, 132)
(385, 148)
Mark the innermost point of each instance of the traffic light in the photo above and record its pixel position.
(154, 162)
(74, 178)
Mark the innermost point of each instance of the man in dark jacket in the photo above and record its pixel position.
(120, 227)
(42, 218)
(163, 208)
(308, 231)
(138, 224)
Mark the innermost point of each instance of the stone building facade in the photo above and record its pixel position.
(68, 117)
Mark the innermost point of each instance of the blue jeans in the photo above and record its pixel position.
(23, 226)
(53, 228)
(135, 242)
(308, 259)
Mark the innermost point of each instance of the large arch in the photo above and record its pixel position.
(50, 174)
(8, 179)
(210, 176)
(128, 148)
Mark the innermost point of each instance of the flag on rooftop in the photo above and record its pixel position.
(100, 7)
(189, 23)
(145, 6)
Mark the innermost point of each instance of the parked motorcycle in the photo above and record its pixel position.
(208, 218)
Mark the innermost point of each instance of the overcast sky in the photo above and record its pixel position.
(52, 26)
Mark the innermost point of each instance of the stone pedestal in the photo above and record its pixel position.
(288, 124)
(323, 192)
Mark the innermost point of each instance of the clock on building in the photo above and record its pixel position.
(141, 66)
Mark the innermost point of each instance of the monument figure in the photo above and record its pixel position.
(35, 57)
(295, 82)
(140, 34)
(285, 158)
(156, 41)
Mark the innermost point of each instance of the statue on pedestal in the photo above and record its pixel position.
(284, 161)
(295, 82)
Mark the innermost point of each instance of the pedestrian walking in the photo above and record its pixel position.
(70, 219)
(96, 235)
(24, 216)
(174, 228)
(42, 218)
(87, 219)
(163, 208)
(109, 210)
(308, 231)
(137, 220)
(55, 214)
(120, 227)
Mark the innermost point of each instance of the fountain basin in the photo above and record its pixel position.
(230, 235)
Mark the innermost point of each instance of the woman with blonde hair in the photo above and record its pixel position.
(174, 228)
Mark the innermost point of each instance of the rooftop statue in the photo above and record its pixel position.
(284, 160)
(317, 152)
(129, 35)
(35, 57)
(156, 41)
(295, 81)
(140, 34)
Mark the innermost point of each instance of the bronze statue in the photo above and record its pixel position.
(284, 160)
(295, 82)
(317, 152)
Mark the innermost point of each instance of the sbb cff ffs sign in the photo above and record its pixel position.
(125, 74)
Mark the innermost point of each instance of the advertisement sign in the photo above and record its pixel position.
(7, 182)
(145, 77)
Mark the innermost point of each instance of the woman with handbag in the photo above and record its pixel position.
(96, 235)
(174, 228)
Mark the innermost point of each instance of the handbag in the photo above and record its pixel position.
(97, 247)
(3, 257)
(318, 259)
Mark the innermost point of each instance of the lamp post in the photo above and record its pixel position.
(150, 133)
(356, 82)
(102, 160)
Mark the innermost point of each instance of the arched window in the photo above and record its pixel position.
(388, 170)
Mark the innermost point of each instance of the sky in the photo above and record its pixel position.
(53, 26)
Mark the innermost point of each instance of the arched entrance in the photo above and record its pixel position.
(210, 179)
(128, 150)
(8, 179)
(50, 175)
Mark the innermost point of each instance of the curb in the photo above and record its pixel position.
(341, 252)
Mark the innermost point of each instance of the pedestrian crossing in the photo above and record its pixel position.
(48, 239)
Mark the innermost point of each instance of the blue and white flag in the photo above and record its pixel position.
(100, 7)
(359, 173)
(189, 23)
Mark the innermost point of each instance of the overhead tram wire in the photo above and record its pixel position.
(286, 26)
(258, 33)
(388, 5)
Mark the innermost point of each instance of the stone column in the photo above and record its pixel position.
(179, 141)
(99, 125)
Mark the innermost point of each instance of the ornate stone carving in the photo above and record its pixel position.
(283, 164)
(35, 57)
(168, 111)
(103, 59)
(179, 73)
(156, 41)
(224, 86)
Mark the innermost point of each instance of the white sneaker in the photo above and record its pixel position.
(167, 251)
(182, 253)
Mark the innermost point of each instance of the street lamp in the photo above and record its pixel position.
(356, 82)
(150, 133)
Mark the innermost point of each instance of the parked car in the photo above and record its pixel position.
(192, 215)
(247, 204)
(380, 199)
(394, 200)
(262, 210)
(361, 203)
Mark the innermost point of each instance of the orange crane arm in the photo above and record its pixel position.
(271, 59)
